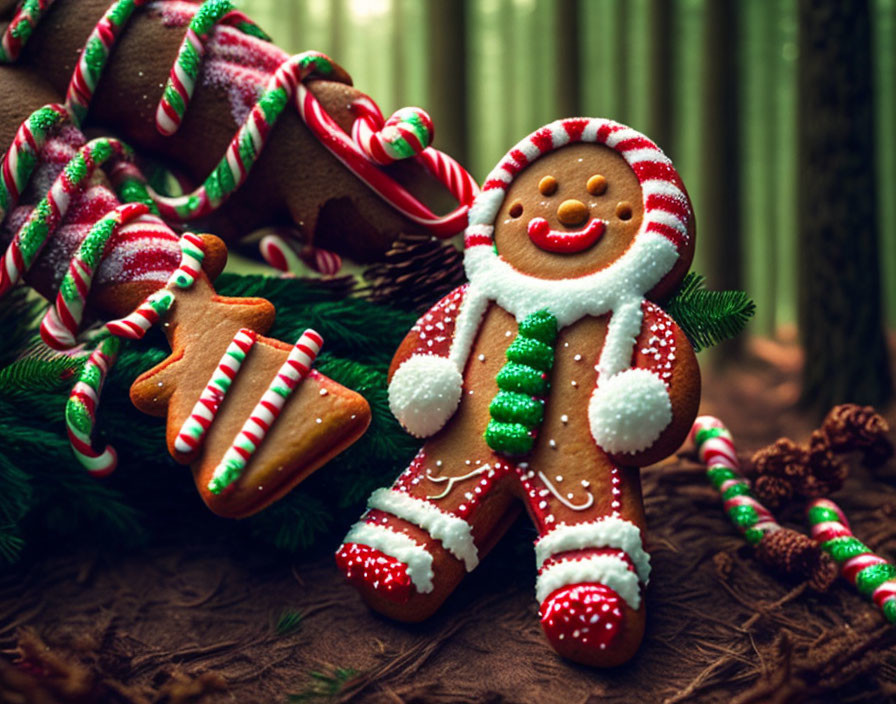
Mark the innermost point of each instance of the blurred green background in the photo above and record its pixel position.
(712, 82)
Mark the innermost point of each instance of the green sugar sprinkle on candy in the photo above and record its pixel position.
(77, 417)
(870, 578)
(95, 55)
(121, 11)
(754, 535)
(842, 549)
(889, 608)
(739, 489)
(253, 30)
(173, 97)
(822, 514)
(208, 14)
(708, 433)
(743, 516)
(719, 474)
(272, 104)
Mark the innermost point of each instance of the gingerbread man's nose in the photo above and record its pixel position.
(572, 212)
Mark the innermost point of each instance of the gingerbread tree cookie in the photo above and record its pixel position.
(247, 411)
(546, 381)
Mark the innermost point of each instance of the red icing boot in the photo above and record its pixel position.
(582, 620)
(363, 565)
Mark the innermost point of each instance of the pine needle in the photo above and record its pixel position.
(324, 685)
(709, 317)
(290, 620)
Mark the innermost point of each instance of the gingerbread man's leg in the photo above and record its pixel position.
(591, 563)
(442, 515)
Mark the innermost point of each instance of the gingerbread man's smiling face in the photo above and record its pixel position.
(570, 213)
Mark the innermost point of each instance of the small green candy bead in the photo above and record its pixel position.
(523, 379)
(531, 352)
(719, 475)
(870, 578)
(743, 516)
(513, 407)
(842, 549)
(541, 326)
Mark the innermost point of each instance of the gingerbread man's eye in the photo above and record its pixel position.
(547, 186)
(516, 209)
(597, 185)
(624, 210)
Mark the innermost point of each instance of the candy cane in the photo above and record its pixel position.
(277, 251)
(46, 216)
(873, 576)
(296, 367)
(182, 79)
(715, 449)
(20, 28)
(407, 133)
(61, 322)
(192, 432)
(80, 410)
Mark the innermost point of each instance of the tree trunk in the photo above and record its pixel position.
(840, 316)
(447, 35)
(567, 58)
(719, 219)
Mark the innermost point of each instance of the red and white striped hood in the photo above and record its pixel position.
(665, 235)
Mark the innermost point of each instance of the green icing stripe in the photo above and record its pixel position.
(739, 489)
(513, 407)
(704, 434)
(523, 379)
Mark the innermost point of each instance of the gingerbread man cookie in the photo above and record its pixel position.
(546, 382)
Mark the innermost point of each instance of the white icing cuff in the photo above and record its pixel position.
(628, 411)
(398, 545)
(608, 532)
(454, 533)
(609, 570)
(424, 393)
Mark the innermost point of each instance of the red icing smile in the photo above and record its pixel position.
(545, 238)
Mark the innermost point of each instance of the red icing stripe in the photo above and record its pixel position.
(635, 143)
(575, 127)
(670, 233)
(543, 140)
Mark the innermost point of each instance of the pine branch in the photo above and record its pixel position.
(708, 317)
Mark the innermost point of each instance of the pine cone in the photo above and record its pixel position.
(772, 490)
(417, 271)
(827, 469)
(851, 427)
(798, 556)
(783, 458)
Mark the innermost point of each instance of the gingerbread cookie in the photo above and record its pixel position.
(246, 411)
(545, 382)
(266, 138)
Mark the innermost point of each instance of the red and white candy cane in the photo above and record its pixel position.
(20, 27)
(80, 410)
(872, 575)
(294, 369)
(278, 250)
(715, 449)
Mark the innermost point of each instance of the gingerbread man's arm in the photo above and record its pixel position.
(426, 374)
(643, 414)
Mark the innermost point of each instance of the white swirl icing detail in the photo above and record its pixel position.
(563, 500)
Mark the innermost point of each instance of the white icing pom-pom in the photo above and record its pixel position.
(424, 393)
(628, 411)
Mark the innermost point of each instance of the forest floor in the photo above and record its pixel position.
(184, 621)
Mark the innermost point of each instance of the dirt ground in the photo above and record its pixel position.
(187, 621)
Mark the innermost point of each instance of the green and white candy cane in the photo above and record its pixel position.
(715, 449)
(872, 575)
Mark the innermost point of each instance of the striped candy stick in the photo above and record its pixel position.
(192, 253)
(138, 323)
(405, 134)
(80, 410)
(191, 434)
(22, 156)
(59, 326)
(873, 576)
(20, 28)
(715, 449)
(46, 216)
(277, 251)
(185, 71)
(94, 56)
(296, 367)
